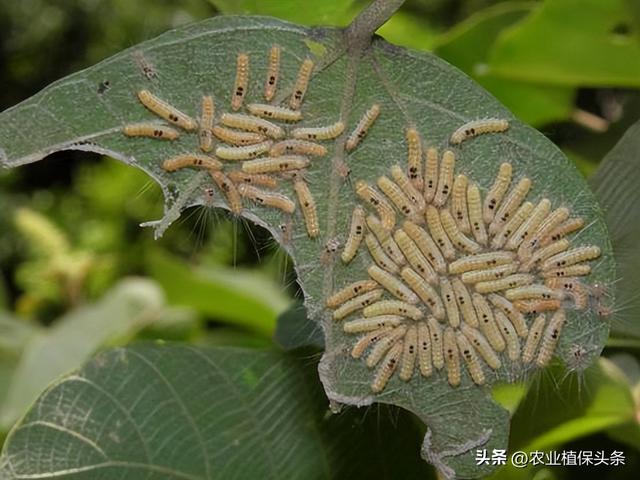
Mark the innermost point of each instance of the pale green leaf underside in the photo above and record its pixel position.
(411, 88)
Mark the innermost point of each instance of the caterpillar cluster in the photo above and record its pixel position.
(247, 153)
(457, 278)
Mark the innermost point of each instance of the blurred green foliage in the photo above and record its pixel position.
(70, 225)
(469, 44)
(593, 45)
(327, 12)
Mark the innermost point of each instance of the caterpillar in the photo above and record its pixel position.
(319, 133)
(206, 123)
(252, 124)
(243, 152)
(362, 128)
(241, 82)
(355, 236)
(273, 73)
(274, 112)
(275, 164)
(266, 198)
(150, 130)
(195, 160)
(229, 190)
(308, 206)
(478, 127)
(166, 111)
(302, 83)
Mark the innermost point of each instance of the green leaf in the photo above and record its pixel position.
(616, 186)
(175, 324)
(7, 367)
(3, 294)
(468, 46)
(573, 43)
(245, 298)
(169, 411)
(629, 432)
(623, 341)
(408, 30)
(558, 410)
(628, 366)
(294, 330)
(232, 337)
(353, 71)
(586, 167)
(326, 12)
(509, 395)
(127, 308)
(634, 10)
(15, 335)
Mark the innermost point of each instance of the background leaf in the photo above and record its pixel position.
(327, 12)
(408, 30)
(600, 399)
(559, 409)
(246, 413)
(294, 330)
(15, 334)
(248, 299)
(602, 31)
(629, 369)
(469, 46)
(3, 293)
(616, 186)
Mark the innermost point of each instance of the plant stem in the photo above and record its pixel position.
(358, 34)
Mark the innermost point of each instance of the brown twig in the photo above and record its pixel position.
(359, 33)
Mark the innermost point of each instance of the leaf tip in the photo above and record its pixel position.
(327, 372)
(158, 226)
